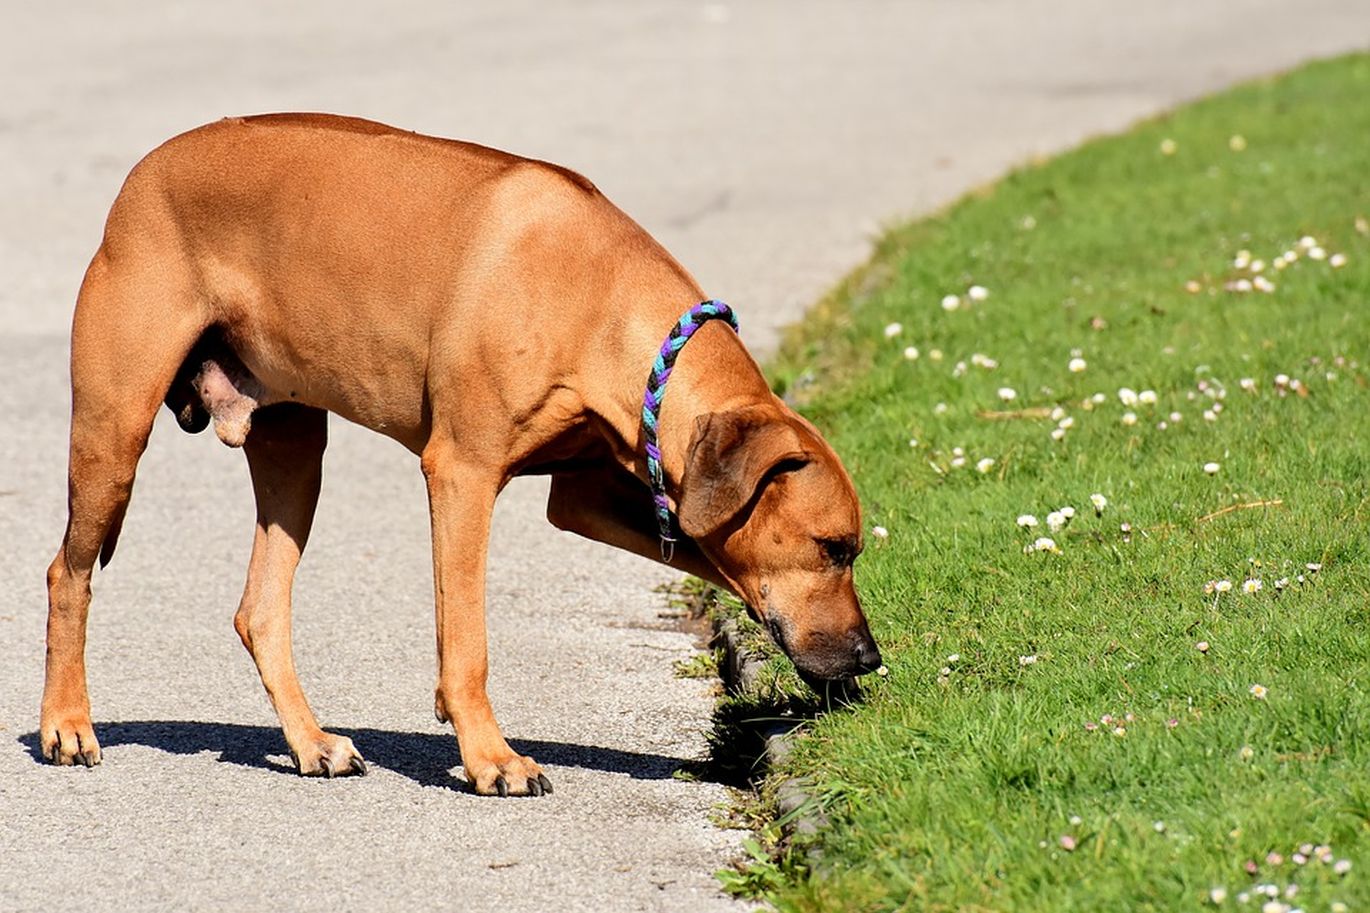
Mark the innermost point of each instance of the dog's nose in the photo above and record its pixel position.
(867, 656)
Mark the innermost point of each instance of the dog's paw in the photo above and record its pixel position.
(328, 755)
(69, 740)
(512, 776)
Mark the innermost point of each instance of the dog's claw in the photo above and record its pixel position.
(359, 767)
(502, 787)
(534, 788)
(545, 783)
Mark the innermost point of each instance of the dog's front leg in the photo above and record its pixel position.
(461, 499)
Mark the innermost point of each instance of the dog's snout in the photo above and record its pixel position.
(867, 655)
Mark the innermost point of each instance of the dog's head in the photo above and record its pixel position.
(769, 504)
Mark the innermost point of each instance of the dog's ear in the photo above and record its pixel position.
(731, 454)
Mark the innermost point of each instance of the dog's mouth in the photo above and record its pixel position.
(836, 659)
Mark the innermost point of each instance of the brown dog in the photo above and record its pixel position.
(495, 315)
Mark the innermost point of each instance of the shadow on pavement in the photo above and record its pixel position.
(424, 758)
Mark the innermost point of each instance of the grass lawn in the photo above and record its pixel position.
(1095, 726)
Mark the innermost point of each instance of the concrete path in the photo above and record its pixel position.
(763, 142)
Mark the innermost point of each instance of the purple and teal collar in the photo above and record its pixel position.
(680, 334)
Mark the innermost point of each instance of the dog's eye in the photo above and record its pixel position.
(841, 552)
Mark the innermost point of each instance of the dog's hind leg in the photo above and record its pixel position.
(285, 456)
(127, 343)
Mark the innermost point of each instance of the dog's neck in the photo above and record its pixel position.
(714, 373)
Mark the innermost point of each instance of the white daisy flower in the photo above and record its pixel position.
(1076, 365)
(1168, 146)
(977, 293)
(1129, 418)
(1027, 521)
(911, 353)
(1202, 646)
(951, 302)
(1068, 512)
(1066, 423)
(1099, 502)
(1222, 586)
(893, 330)
(1055, 522)
(1211, 468)
(1029, 659)
(1259, 692)
(1008, 394)
(1262, 284)
(1248, 384)
(1317, 253)
(1058, 434)
(985, 465)
(1098, 399)
(1210, 415)
(880, 532)
(1251, 585)
(940, 409)
(1127, 396)
(1336, 261)
(935, 354)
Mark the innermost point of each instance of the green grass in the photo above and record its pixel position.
(953, 792)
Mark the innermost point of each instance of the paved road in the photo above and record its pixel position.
(763, 142)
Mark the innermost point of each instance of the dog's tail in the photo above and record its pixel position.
(112, 537)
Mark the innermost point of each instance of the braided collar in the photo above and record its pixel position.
(680, 334)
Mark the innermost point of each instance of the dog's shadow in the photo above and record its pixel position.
(424, 758)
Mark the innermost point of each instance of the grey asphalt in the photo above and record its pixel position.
(763, 142)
